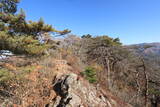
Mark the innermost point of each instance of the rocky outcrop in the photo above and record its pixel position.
(74, 92)
(58, 87)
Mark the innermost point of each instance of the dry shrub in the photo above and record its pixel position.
(75, 62)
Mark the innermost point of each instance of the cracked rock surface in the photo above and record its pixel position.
(72, 92)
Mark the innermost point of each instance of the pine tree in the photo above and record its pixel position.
(8, 6)
(20, 36)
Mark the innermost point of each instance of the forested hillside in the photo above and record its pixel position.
(41, 66)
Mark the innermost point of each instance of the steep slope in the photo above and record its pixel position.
(57, 87)
(74, 91)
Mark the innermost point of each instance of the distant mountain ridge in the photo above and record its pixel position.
(147, 48)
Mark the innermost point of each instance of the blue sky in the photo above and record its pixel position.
(133, 21)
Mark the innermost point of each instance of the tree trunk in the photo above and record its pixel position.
(146, 83)
(108, 73)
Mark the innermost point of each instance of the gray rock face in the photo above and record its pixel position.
(72, 92)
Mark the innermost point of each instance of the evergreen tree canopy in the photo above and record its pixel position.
(15, 30)
(8, 6)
